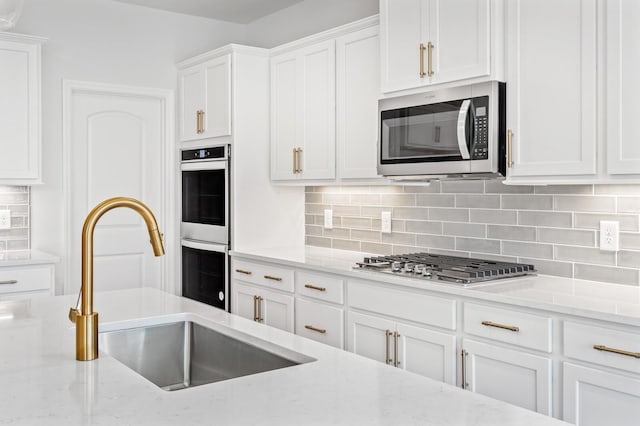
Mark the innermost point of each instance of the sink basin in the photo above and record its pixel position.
(185, 354)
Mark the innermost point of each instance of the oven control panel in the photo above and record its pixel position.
(199, 154)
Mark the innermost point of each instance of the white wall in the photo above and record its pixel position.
(307, 18)
(103, 41)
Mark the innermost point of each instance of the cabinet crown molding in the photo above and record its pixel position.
(22, 38)
(224, 50)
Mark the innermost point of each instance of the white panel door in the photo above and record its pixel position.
(316, 102)
(370, 337)
(428, 353)
(284, 115)
(595, 397)
(276, 310)
(623, 87)
(217, 111)
(551, 78)
(459, 31)
(402, 29)
(192, 99)
(357, 93)
(116, 148)
(516, 377)
(243, 300)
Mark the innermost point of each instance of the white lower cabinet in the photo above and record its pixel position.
(27, 280)
(418, 350)
(263, 306)
(320, 322)
(595, 397)
(513, 376)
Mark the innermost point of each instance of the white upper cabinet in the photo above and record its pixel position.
(425, 42)
(551, 88)
(303, 90)
(20, 134)
(623, 87)
(205, 99)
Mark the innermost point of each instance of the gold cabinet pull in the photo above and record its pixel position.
(504, 327)
(318, 330)
(201, 121)
(313, 287)
(429, 59)
(616, 351)
(395, 349)
(299, 160)
(463, 358)
(198, 121)
(260, 299)
(9, 282)
(255, 308)
(387, 353)
(242, 271)
(509, 148)
(295, 161)
(422, 73)
(270, 277)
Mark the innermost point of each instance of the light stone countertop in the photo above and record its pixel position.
(26, 257)
(43, 384)
(590, 299)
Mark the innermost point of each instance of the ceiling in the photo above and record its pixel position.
(239, 11)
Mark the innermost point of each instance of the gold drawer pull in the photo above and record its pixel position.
(504, 327)
(9, 282)
(318, 330)
(422, 73)
(269, 277)
(616, 351)
(429, 59)
(313, 287)
(242, 271)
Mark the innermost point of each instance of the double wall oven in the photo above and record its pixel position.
(205, 225)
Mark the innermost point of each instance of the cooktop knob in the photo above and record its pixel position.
(396, 266)
(408, 267)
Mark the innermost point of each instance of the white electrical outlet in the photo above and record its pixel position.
(328, 219)
(5, 219)
(609, 235)
(385, 219)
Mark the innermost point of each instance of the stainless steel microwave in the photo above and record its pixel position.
(458, 133)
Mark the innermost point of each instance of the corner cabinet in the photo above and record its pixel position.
(425, 42)
(205, 99)
(20, 109)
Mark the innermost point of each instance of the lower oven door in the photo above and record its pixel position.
(205, 273)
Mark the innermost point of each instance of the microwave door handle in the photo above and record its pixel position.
(462, 134)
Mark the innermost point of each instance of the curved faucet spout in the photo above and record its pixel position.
(86, 320)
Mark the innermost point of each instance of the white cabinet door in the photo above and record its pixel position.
(370, 337)
(623, 87)
(357, 93)
(192, 99)
(276, 310)
(513, 376)
(19, 109)
(459, 32)
(428, 353)
(243, 299)
(320, 322)
(217, 111)
(594, 397)
(403, 26)
(551, 78)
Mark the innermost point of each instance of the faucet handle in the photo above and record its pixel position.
(73, 314)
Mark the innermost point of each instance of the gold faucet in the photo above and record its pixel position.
(86, 320)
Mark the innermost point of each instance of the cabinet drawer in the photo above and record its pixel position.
(19, 279)
(319, 286)
(616, 349)
(412, 306)
(267, 275)
(320, 322)
(513, 327)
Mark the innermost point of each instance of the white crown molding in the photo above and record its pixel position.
(22, 38)
(224, 50)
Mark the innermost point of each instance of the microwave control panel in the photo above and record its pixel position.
(480, 147)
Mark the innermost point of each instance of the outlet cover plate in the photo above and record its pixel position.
(328, 219)
(385, 219)
(5, 219)
(609, 235)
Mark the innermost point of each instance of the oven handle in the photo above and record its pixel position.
(203, 165)
(462, 121)
(201, 245)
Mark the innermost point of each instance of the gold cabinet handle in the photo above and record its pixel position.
(242, 271)
(422, 73)
(463, 358)
(387, 353)
(201, 121)
(318, 330)
(299, 160)
(616, 351)
(504, 327)
(255, 308)
(429, 59)
(198, 121)
(395, 349)
(313, 287)
(9, 282)
(270, 277)
(295, 161)
(509, 148)
(260, 299)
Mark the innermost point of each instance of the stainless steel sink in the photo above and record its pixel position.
(185, 354)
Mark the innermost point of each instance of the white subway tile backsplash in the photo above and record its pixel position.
(464, 229)
(409, 213)
(564, 189)
(552, 219)
(629, 204)
(527, 202)
(481, 245)
(451, 215)
(629, 241)
(462, 186)
(506, 232)
(398, 199)
(592, 221)
(579, 203)
(16, 199)
(630, 259)
(606, 273)
(550, 267)
(506, 217)
(436, 200)
(436, 241)
(593, 256)
(346, 244)
(576, 237)
(423, 227)
(535, 250)
(399, 238)
(478, 201)
(497, 187)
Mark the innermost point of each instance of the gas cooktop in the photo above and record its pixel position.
(459, 270)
